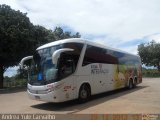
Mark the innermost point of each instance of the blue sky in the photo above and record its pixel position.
(120, 24)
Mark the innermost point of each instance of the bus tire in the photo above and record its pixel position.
(84, 93)
(135, 82)
(131, 85)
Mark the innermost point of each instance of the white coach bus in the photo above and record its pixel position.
(76, 69)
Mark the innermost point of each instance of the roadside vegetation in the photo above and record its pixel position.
(16, 81)
(150, 73)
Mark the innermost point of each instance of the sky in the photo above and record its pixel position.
(122, 24)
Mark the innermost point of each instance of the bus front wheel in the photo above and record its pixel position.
(84, 93)
(131, 85)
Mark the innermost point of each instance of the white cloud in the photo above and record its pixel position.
(116, 44)
(155, 37)
(114, 23)
(119, 21)
(11, 71)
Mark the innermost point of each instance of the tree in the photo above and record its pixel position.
(40, 35)
(77, 35)
(149, 54)
(16, 38)
(60, 34)
(19, 37)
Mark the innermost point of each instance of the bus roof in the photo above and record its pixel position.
(80, 40)
(75, 40)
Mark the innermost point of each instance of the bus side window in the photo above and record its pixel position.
(98, 55)
(67, 67)
(92, 55)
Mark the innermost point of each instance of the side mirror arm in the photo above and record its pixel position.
(57, 53)
(23, 60)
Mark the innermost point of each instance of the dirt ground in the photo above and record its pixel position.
(145, 98)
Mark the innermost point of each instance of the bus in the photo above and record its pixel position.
(77, 69)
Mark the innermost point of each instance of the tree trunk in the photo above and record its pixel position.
(1, 76)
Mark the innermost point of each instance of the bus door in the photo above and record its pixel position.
(67, 68)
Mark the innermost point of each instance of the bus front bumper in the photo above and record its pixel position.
(47, 97)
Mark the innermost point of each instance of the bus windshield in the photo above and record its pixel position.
(43, 71)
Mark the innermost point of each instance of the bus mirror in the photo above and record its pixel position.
(23, 60)
(57, 54)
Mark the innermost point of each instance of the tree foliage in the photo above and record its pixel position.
(15, 37)
(19, 37)
(150, 54)
(60, 34)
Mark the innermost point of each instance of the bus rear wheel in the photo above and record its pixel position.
(84, 93)
(131, 85)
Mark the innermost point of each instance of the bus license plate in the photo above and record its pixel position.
(37, 97)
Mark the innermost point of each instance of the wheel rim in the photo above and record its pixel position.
(84, 94)
(130, 84)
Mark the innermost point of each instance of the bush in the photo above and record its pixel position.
(150, 73)
(10, 82)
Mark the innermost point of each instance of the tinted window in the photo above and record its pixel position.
(69, 60)
(77, 51)
(101, 55)
(98, 55)
(66, 66)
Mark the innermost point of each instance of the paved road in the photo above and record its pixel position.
(143, 99)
